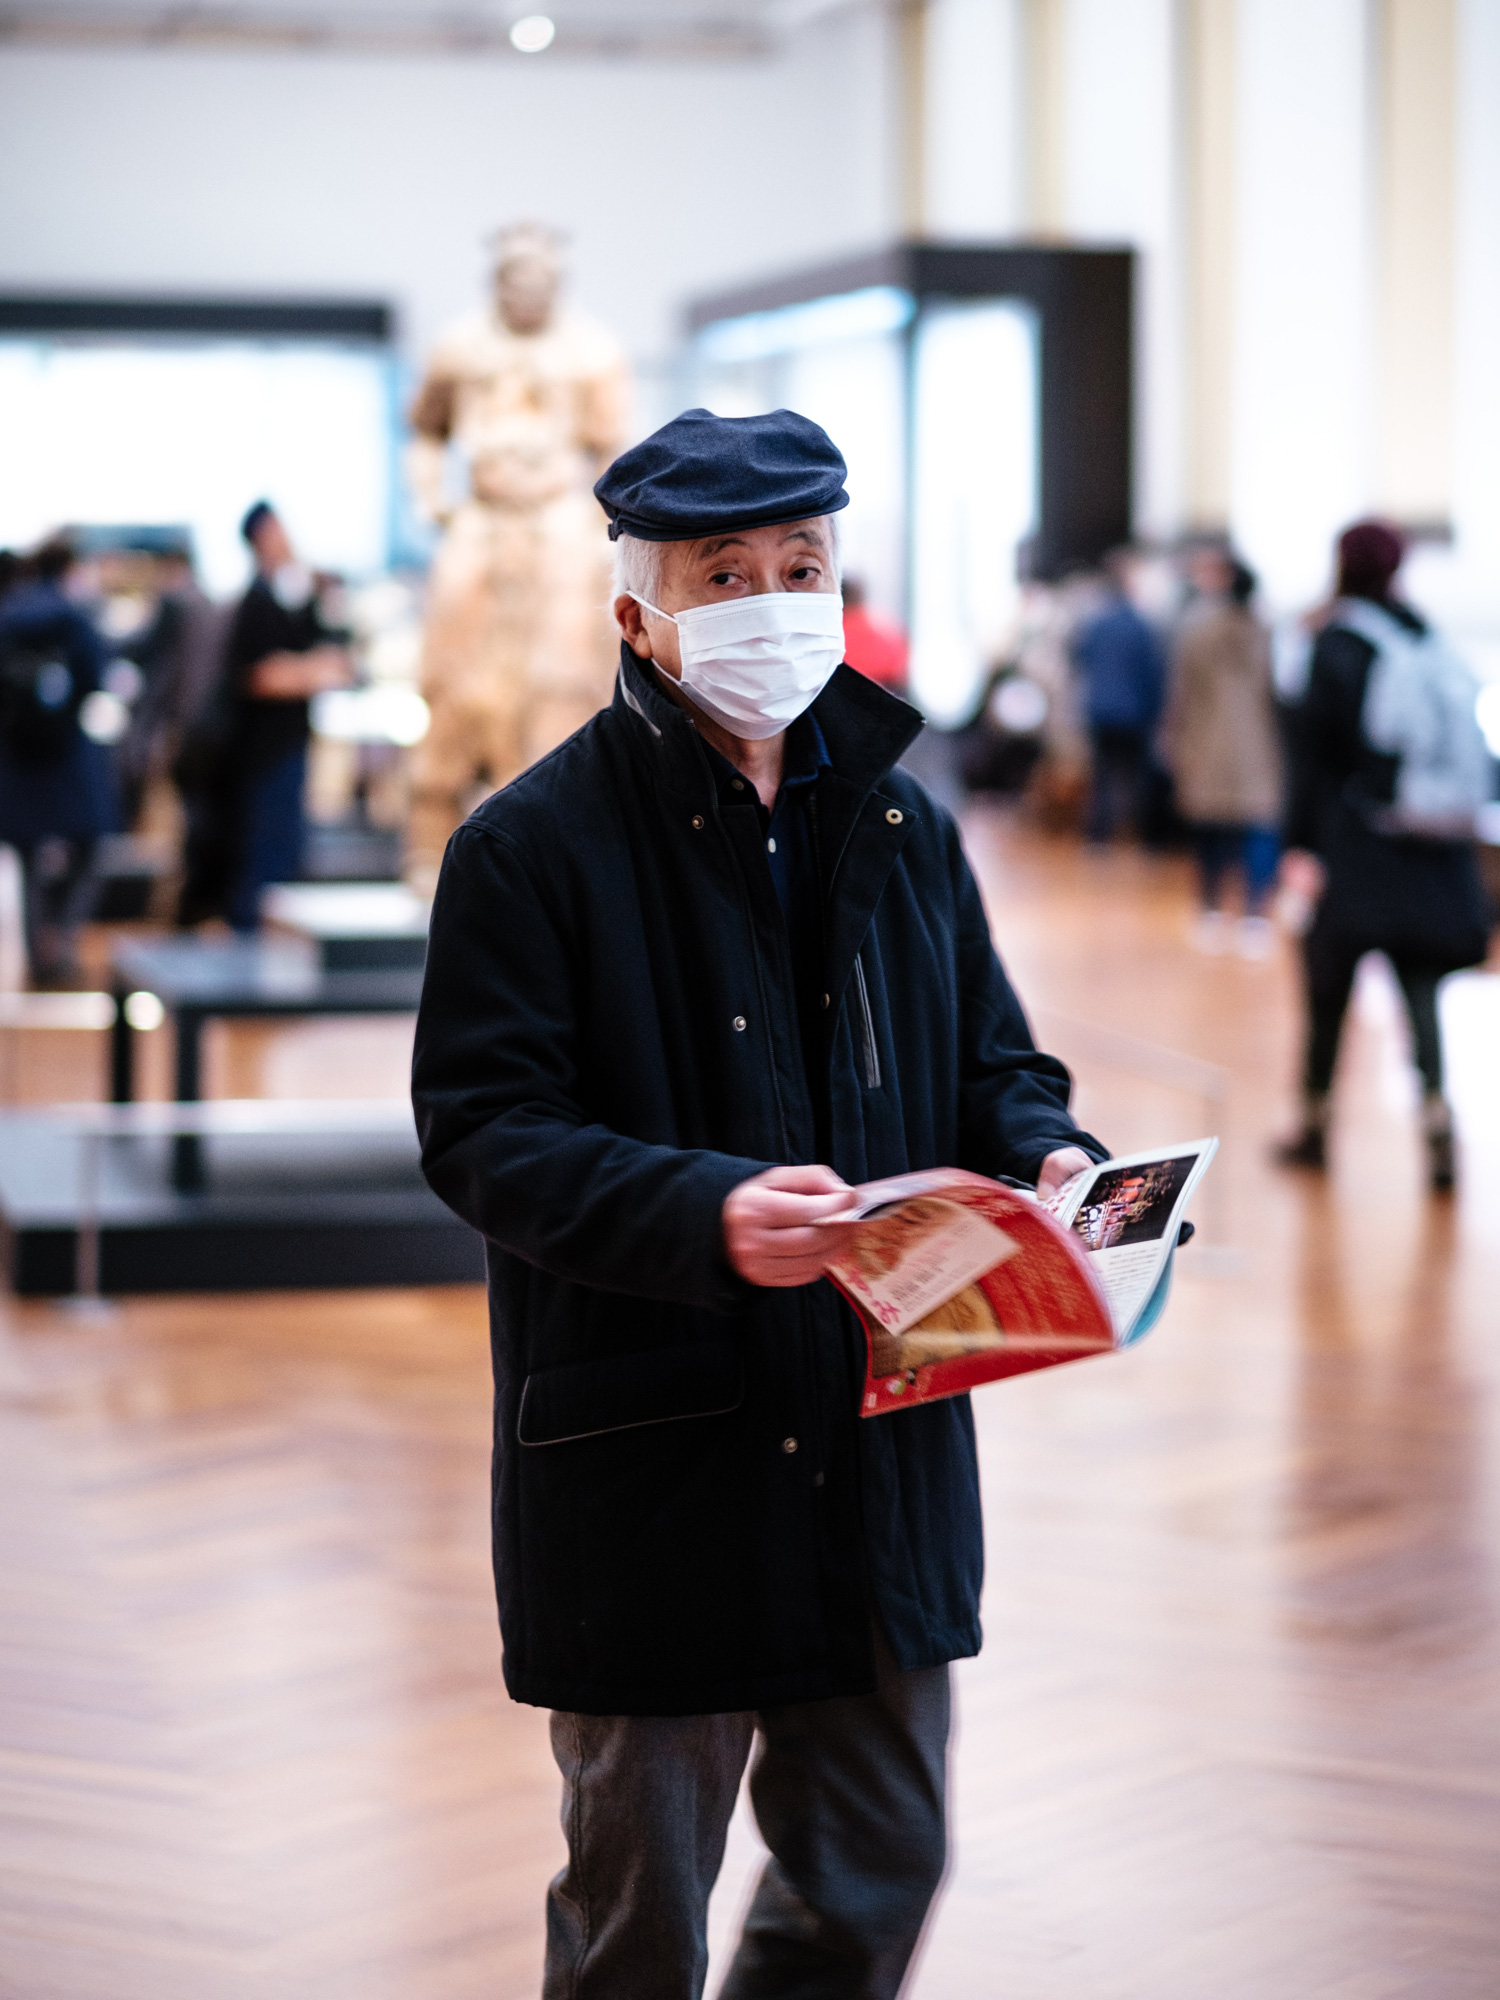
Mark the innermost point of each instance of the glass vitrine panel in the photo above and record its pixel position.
(934, 405)
(187, 433)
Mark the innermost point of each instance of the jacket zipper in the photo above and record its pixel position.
(748, 913)
(867, 1025)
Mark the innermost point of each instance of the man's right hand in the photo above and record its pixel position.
(769, 1232)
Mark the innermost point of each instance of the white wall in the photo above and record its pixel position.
(1120, 185)
(973, 137)
(1463, 585)
(1304, 293)
(322, 173)
(341, 174)
(1119, 172)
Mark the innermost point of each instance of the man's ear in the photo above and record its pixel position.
(632, 622)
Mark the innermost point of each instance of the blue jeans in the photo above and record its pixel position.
(1220, 847)
(271, 831)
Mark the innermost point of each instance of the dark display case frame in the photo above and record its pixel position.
(1083, 300)
(221, 318)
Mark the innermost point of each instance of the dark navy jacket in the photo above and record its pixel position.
(689, 1514)
(1123, 667)
(71, 796)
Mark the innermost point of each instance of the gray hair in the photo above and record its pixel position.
(638, 567)
(639, 564)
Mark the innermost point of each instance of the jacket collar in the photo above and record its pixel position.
(865, 728)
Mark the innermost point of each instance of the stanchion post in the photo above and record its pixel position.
(86, 1242)
(1215, 1104)
(121, 1055)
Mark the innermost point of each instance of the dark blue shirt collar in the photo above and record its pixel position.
(804, 759)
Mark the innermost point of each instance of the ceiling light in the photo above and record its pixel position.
(531, 34)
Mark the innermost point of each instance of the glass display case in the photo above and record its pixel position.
(166, 413)
(982, 399)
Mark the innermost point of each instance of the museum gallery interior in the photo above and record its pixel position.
(627, 632)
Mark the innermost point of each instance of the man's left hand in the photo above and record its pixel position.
(1059, 1168)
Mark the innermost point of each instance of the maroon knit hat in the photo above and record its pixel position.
(1370, 553)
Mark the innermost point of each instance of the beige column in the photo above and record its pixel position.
(911, 116)
(1206, 30)
(1045, 26)
(1417, 86)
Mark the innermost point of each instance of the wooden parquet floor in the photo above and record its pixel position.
(1234, 1732)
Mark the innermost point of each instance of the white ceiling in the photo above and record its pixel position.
(725, 29)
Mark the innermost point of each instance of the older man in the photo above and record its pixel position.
(708, 963)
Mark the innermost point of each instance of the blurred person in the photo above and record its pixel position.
(179, 652)
(519, 648)
(1118, 655)
(279, 653)
(1388, 770)
(184, 725)
(159, 649)
(1003, 741)
(871, 647)
(198, 718)
(57, 791)
(1049, 615)
(688, 977)
(1222, 741)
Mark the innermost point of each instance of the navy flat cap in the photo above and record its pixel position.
(707, 475)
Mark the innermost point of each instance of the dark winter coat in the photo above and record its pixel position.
(1123, 667)
(68, 794)
(689, 1514)
(1419, 900)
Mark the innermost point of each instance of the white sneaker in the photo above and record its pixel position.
(1254, 937)
(1210, 933)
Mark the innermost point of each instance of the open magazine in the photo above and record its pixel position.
(959, 1280)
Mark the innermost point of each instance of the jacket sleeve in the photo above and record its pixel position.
(507, 1142)
(1013, 1100)
(1324, 740)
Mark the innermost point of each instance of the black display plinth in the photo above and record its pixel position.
(278, 1211)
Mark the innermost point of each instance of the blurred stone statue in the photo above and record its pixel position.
(520, 646)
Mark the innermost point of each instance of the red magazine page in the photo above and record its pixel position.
(960, 1281)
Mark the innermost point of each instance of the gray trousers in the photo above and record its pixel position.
(850, 1797)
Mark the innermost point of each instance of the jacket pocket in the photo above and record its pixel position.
(701, 1378)
(866, 1025)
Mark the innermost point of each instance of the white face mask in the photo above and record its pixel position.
(755, 663)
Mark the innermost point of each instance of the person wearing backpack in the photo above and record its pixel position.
(57, 791)
(1388, 770)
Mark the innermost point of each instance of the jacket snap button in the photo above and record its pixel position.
(738, 1024)
(894, 817)
(738, 783)
(825, 999)
(697, 822)
(788, 1444)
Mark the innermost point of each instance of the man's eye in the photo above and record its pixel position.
(721, 577)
